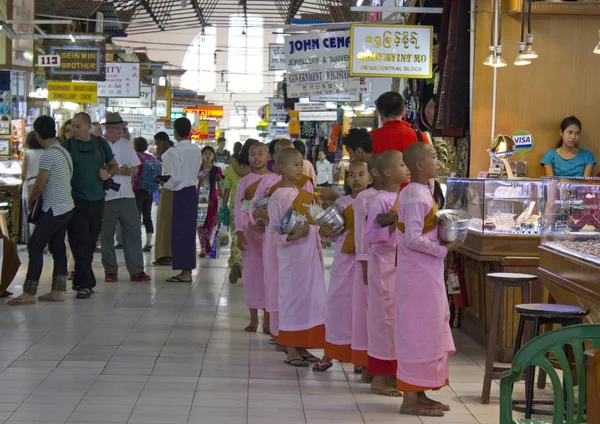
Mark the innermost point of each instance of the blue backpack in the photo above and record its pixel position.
(150, 170)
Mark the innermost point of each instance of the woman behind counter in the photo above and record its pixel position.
(568, 160)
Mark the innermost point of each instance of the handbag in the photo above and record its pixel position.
(34, 212)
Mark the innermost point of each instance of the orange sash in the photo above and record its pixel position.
(431, 221)
(251, 190)
(299, 184)
(299, 204)
(348, 246)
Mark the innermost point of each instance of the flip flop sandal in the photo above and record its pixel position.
(49, 298)
(298, 363)
(20, 302)
(281, 348)
(358, 370)
(177, 280)
(423, 412)
(272, 341)
(441, 406)
(387, 392)
(322, 366)
(7, 294)
(266, 330)
(311, 358)
(251, 329)
(84, 293)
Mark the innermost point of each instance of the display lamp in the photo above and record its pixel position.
(520, 60)
(490, 59)
(502, 149)
(529, 53)
(596, 50)
(498, 61)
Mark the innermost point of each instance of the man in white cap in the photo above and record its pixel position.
(120, 207)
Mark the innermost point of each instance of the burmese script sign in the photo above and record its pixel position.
(84, 61)
(74, 92)
(397, 51)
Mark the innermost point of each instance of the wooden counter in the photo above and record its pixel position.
(571, 281)
(485, 253)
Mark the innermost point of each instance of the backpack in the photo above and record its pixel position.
(150, 170)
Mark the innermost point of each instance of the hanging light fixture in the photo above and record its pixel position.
(596, 50)
(520, 60)
(498, 61)
(529, 53)
(490, 59)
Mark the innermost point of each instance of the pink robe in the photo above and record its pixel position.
(302, 291)
(359, 288)
(423, 337)
(309, 170)
(338, 321)
(252, 262)
(270, 252)
(381, 314)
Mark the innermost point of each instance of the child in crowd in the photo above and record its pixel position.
(359, 292)
(211, 175)
(381, 242)
(423, 337)
(301, 271)
(251, 234)
(338, 320)
(267, 186)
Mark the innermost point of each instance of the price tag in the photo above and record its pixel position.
(48, 60)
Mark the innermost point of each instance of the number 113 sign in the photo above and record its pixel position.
(48, 60)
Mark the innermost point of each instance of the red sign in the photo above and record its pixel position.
(206, 112)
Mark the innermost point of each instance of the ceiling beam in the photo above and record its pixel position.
(150, 12)
(198, 11)
(294, 7)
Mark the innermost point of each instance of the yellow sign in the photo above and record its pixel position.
(74, 92)
(203, 127)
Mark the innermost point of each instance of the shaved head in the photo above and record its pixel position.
(283, 143)
(373, 163)
(386, 160)
(416, 152)
(258, 146)
(287, 155)
(358, 166)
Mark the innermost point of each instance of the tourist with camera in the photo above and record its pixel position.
(93, 164)
(120, 206)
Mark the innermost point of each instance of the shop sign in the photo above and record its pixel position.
(276, 57)
(144, 100)
(311, 52)
(524, 142)
(397, 51)
(307, 107)
(342, 97)
(277, 131)
(174, 115)
(48, 60)
(122, 80)
(74, 92)
(140, 125)
(163, 102)
(82, 61)
(162, 107)
(318, 116)
(203, 127)
(206, 112)
(23, 15)
(277, 112)
(343, 86)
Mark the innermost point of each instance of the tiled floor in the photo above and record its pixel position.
(176, 354)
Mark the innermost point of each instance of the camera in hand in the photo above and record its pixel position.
(111, 185)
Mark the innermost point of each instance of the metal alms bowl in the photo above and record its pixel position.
(290, 222)
(262, 202)
(331, 215)
(453, 225)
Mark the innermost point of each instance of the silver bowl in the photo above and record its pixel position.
(453, 226)
(290, 222)
(262, 202)
(331, 215)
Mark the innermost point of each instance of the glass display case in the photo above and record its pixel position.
(497, 206)
(10, 172)
(572, 217)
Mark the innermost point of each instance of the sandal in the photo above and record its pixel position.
(387, 391)
(311, 358)
(48, 298)
(322, 366)
(266, 330)
(272, 341)
(20, 302)
(423, 411)
(176, 279)
(251, 328)
(6, 294)
(84, 293)
(299, 363)
(71, 275)
(280, 348)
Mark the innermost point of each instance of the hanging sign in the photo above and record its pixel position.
(122, 80)
(203, 127)
(74, 92)
(342, 97)
(307, 107)
(276, 131)
(143, 100)
(277, 112)
(397, 51)
(276, 57)
(206, 112)
(48, 60)
(354, 86)
(318, 116)
(83, 61)
(163, 102)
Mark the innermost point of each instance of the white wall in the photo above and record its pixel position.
(220, 96)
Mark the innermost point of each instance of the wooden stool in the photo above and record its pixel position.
(501, 281)
(542, 314)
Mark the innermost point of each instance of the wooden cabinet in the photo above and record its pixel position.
(485, 253)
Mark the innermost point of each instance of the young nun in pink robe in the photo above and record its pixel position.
(338, 321)
(423, 337)
(381, 242)
(301, 271)
(266, 187)
(251, 235)
(359, 283)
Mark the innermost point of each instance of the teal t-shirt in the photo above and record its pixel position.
(88, 158)
(573, 167)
